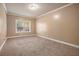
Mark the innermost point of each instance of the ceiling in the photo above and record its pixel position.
(23, 10)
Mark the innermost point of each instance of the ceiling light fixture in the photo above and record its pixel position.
(33, 6)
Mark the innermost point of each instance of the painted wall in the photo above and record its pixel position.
(61, 25)
(11, 25)
(2, 24)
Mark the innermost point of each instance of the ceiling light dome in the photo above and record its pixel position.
(33, 6)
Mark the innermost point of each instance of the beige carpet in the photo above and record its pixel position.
(36, 46)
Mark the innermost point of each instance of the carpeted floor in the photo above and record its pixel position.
(36, 46)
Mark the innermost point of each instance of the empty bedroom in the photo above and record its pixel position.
(39, 29)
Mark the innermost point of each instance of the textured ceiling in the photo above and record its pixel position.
(22, 8)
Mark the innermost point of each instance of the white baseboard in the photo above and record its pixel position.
(21, 36)
(59, 41)
(3, 44)
(14, 37)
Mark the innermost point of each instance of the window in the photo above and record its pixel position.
(23, 25)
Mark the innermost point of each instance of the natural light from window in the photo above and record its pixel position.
(23, 26)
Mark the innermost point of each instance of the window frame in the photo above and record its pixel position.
(22, 31)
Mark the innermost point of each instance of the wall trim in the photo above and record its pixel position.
(59, 41)
(3, 44)
(13, 37)
(21, 36)
(4, 5)
(56, 9)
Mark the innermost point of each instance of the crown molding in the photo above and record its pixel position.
(16, 14)
(55, 10)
